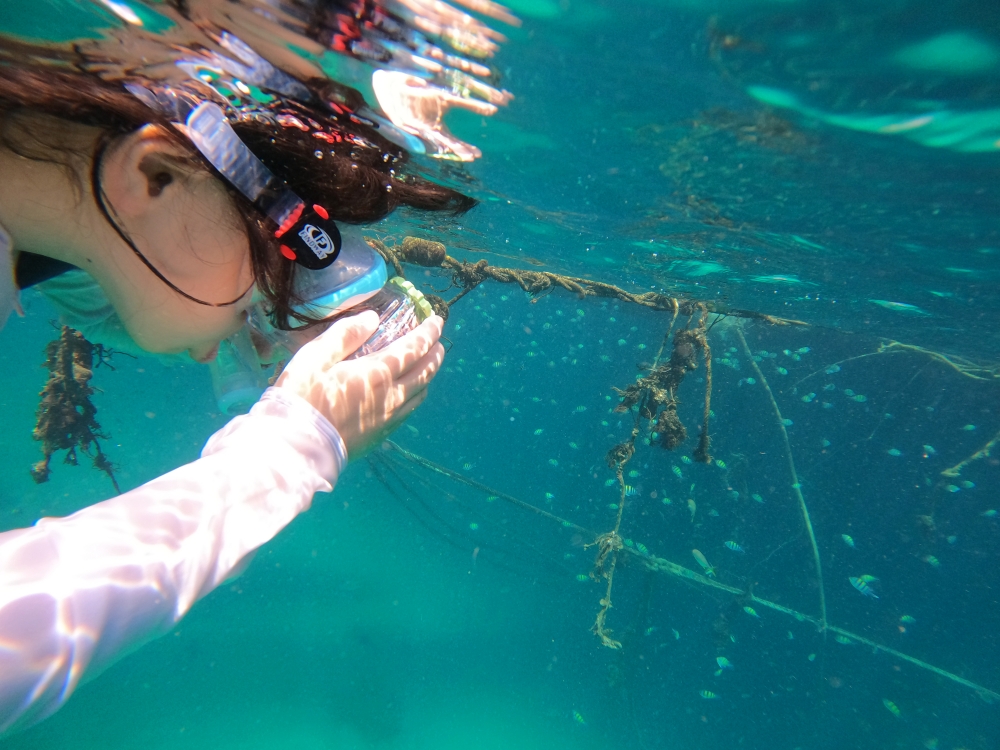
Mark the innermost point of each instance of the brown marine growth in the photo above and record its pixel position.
(66, 418)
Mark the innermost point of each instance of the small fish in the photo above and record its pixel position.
(751, 381)
(709, 570)
(724, 663)
(549, 496)
(583, 578)
(791, 635)
(892, 708)
(969, 427)
(497, 365)
(804, 350)
(735, 547)
(989, 513)
(832, 369)
(859, 398)
(580, 409)
(953, 488)
(895, 452)
(641, 347)
(932, 561)
(929, 450)
(413, 430)
(863, 587)
(847, 540)
(553, 462)
(677, 636)
(807, 399)
(630, 491)
(610, 482)
(622, 342)
(908, 619)
(843, 640)
(642, 548)
(751, 611)
(782, 371)
(693, 507)
(650, 630)
(707, 695)
(574, 446)
(720, 463)
(967, 485)
(633, 474)
(757, 498)
(787, 422)
(829, 387)
(468, 466)
(848, 392)
(677, 472)
(578, 718)
(613, 506)
(826, 443)
(539, 431)
(713, 513)
(952, 539)
(900, 307)
(685, 459)
(867, 579)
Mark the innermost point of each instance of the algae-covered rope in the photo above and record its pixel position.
(661, 565)
(467, 276)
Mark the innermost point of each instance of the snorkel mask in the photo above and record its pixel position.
(357, 281)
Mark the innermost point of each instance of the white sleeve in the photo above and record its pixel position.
(77, 593)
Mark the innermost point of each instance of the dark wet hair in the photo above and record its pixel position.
(359, 180)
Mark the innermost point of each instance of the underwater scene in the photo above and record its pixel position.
(713, 460)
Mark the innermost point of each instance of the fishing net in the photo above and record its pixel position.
(650, 404)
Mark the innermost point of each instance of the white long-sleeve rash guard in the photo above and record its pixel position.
(79, 592)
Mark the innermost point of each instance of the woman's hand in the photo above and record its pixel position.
(368, 397)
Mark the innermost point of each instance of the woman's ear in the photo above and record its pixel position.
(138, 171)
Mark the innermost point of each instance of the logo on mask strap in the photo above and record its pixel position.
(317, 240)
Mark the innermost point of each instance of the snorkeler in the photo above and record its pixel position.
(188, 205)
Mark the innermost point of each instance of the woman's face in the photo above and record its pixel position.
(183, 221)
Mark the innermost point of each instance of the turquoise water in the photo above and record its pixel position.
(775, 157)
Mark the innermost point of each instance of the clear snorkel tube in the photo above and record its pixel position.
(357, 281)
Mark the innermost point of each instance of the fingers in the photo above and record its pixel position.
(474, 105)
(345, 336)
(403, 354)
(423, 371)
(400, 415)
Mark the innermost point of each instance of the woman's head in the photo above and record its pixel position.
(150, 189)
